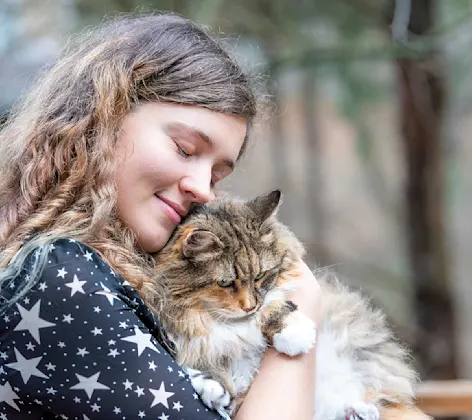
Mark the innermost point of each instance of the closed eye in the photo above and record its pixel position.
(182, 152)
(260, 275)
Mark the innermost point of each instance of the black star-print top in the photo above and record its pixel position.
(81, 344)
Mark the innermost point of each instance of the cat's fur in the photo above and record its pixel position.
(226, 274)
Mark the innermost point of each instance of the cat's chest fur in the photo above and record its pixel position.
(243, 343)
(240, 343)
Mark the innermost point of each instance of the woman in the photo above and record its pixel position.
(98, 164)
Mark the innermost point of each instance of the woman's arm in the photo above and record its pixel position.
(74, 347)
(285, 386)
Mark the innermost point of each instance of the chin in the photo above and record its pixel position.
(154, 243)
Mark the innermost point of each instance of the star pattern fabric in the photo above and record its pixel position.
(81, 344)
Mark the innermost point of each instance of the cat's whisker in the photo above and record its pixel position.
(326, 268)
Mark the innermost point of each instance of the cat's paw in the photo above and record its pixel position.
(362, 411)
(211, 392)
(298, 336)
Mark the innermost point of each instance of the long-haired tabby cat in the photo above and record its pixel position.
(226, 277)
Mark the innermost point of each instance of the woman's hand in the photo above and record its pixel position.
(284, 388)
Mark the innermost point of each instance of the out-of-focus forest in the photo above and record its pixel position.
(367, 137)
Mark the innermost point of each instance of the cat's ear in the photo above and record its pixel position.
(201, 244)
(265, 205)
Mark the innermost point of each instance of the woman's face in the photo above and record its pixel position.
(171, 156)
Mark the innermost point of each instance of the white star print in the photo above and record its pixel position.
(161, 396)
(139, 391)
(77, 400)
(50, 366)
(76, 286)
(88, 256)
(38, 402)
(96, 309)
(3, 416)
(61, 344)
(95, 407)
(51, 390)
(8, 395)
(195, 396)
(26, 367)
(117, 410)
(67, 318)
(6, 319)
(111, 342)
(177, 406)
(107, 293)
(31, 321)
(89, 384)
(3, 355)
(26, 300)
(62, 272)
(82, 352)
(113, 353)
(42, 286)
(123, 325)
(141, 414)
(2, 371)
(181, 374)
(30, 346)
(163, 417)
(152, 366)
(142, 340)
(170, 369)
(128, 384)
(96, 331)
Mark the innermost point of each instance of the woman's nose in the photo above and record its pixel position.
(199, 187)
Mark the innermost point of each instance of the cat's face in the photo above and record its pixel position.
(227, 256)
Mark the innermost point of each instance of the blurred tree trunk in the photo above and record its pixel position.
(422, 97)
(316, 245)
(279, 148)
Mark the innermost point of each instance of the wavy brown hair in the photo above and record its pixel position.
(57, 159)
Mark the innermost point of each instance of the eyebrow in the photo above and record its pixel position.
(202, 136)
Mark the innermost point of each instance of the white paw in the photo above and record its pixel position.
(211, 392)
(298, 336)
(362, 411)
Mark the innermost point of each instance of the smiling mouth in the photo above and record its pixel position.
(169, 211)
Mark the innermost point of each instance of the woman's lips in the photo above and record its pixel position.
(173, 215)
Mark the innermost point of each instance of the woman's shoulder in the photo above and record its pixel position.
(70, 252)
(73, 273)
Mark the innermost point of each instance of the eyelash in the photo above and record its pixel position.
(186, 155)
(182, 152)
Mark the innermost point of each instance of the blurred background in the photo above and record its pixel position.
(367, 137)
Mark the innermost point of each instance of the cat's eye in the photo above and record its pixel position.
(260, 275)
(225, 282)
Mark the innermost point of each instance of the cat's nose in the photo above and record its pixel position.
(248, 305)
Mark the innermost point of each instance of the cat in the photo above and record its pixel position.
(226, 275)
